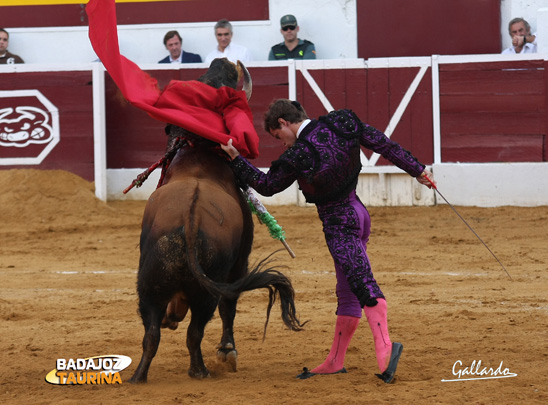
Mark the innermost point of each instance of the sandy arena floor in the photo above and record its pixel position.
(67, 290)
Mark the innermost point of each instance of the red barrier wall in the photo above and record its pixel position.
(71, 93)
(489, 112)
(136, 140)
(391, 28)
(374, 95)
(157, 12)
(493, 112)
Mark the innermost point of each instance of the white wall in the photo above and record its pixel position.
(374, 189)
(463, 184)
(542, 30)
(144, 43)
(493, 184)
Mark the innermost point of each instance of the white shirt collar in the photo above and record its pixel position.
(304, 124)
(179, 59)
(226, 50)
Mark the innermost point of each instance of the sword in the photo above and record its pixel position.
(467, 224)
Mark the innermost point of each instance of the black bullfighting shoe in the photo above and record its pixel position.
(307, 373)
(390, 371)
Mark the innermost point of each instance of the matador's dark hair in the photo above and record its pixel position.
(291, 111)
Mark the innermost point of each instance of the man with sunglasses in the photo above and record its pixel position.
(292, 47)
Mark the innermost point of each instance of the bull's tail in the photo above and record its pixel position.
(261, 276)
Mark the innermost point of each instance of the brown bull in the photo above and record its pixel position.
(196, 237)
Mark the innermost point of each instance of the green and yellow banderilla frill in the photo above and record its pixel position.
(275, 230)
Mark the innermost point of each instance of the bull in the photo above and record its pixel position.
(197, 234)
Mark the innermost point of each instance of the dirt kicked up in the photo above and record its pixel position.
(68, 267)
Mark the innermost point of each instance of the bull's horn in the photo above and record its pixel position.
(248, 83)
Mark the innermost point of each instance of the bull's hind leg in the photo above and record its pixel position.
(227, 349)
(202, 311)
(152, 319)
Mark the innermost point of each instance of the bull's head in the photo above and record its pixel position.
(223, 72)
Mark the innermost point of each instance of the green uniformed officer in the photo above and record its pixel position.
(292, 47)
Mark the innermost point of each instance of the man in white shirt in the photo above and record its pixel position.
(522, 39)
(226, 48)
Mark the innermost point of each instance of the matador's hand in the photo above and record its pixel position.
(426, 179)
(230, 150)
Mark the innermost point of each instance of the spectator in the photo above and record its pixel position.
(226, 48)
(522, 39)
(174, 44)
(292, 47)
(7, 58)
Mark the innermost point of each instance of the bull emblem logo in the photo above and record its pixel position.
(28, 125)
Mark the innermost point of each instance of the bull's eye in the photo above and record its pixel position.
(25, 126)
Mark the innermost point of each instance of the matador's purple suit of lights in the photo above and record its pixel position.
(325, 161)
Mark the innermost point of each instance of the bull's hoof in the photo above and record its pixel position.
(199, 374)
(137, 380)
(228, 355)
(232, 359)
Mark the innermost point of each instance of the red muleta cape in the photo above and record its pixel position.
(215, 114)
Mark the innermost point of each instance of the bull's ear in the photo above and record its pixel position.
(248, 83)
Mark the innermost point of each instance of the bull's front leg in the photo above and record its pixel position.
(226, 349)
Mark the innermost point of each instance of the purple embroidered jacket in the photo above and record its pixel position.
(325, 159)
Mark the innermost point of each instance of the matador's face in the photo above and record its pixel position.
(285, 133)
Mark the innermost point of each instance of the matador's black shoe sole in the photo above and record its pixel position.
(307, 373)
(390, 371)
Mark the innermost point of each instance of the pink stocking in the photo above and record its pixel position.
(377, 318)
(344, 330)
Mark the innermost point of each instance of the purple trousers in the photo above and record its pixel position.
(347, 225)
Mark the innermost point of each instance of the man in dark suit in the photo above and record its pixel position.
(174, 44)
